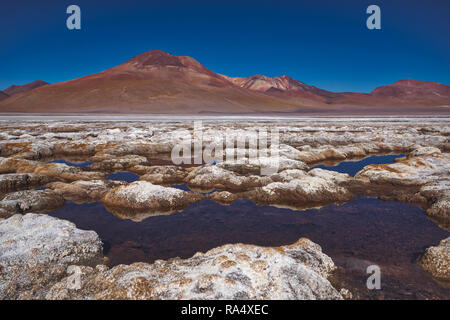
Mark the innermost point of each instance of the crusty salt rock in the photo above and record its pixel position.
(233, 271)
(215, 177)
(163, 174)
(67, 173)
(20, 181)
(312, 189)
(260, 165)
(223, 197)
(143, 195)
(35, 251)
(83, 191)
(107, 162)
(38, 201)
(436, 260)
(425, 151)
(418, 170)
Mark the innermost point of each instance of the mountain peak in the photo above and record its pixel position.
(157, 58)
(15, 89)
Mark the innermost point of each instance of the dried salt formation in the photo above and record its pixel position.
(235, 271)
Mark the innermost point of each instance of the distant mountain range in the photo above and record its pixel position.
(24, 88)
(158, 82)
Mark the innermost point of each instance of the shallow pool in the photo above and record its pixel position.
(353, 167)
(123, 176)
(71, 164)
(363, 232)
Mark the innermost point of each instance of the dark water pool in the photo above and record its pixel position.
(71, 164)
(363, 232)
(184, 187)
(124, 176)
(353, 167)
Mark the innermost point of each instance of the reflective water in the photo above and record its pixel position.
(363, 232)
(353, 167)
(71, 164)
(124, 176)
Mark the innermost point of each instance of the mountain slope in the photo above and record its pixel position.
(14, 89)
(158, 82)
(3, 95)
(402, 92)
(284, 86)
(153, 82)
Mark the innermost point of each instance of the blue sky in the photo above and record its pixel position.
(322, 43)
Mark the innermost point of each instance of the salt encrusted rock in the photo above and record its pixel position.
(37, 201)
(290, 152)
(20, 181)
(107, 162)
(436, 260)
(260, 165)
(440, 209)
(84, 191)
(316, 188)
(67, 173)
(438, 196)
(336, 177)
(26, 150)
(35, 251)
(288, 175)
(321, 155)
(12, 165)
(73, 148)
(145, 196)
(9, 148)
(164, 174)
(234, 271)
(425, 151)
(414, 170)
(215, 177)
(223, 197)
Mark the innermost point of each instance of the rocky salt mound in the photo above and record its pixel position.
(436, 261)
(37, 201)
(299, 189)
(145, 197)
(235, 271)
(214, 177)
(423, 176)
(84, 191)
(20, 181)
(161, 174)
(35, 251)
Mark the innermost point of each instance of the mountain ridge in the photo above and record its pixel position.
(158, 82)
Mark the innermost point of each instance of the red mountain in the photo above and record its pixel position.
(284, 87)
(152, 82)
(158, 82)
(12, 90)
(3, 95)
(402, 92)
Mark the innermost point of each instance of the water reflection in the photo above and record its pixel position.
(71, 164)
(123, 176)
(362, 232)
(353, 167)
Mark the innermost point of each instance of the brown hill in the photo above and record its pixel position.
(158, 82)
(14, 89)
(3, 95)
(401, 93)
(152, 82)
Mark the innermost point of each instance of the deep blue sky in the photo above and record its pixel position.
(322, 43)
